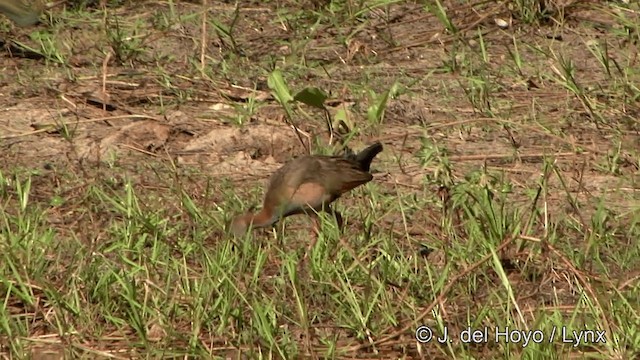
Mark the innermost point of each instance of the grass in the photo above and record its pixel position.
(506, 196)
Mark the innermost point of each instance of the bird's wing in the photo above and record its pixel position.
(340, 175)
(21, 12)
(314, 180)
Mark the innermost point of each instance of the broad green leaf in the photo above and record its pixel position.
(280, 90)
(312, 96)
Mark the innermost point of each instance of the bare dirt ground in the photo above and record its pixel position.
(135, 110)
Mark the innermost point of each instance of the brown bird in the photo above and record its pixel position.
(307, 185)
(22, 12)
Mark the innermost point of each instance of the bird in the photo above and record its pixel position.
(308, 185)
(22, 12)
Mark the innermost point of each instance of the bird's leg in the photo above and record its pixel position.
(315, 233)
(315, 229)
(338, 217)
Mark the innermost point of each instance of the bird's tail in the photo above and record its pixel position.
(365, 157)
(23, 13)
